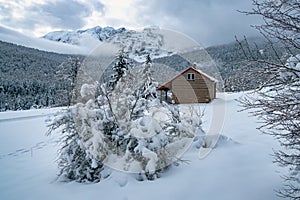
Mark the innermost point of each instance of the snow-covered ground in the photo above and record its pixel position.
(240, 167)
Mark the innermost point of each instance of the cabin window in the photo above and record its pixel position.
(190, 76)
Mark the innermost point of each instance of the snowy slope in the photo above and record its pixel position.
(240, 167)
(75, 37)
(15, 37)
(141, 43)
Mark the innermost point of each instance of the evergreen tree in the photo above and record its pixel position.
(124, 124)
(119, 69)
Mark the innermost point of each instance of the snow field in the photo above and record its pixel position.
(240, 167)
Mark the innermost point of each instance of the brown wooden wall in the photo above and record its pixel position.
(200, 90)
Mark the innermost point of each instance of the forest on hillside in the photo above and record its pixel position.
(31, 78)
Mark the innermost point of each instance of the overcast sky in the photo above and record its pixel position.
(207, 21)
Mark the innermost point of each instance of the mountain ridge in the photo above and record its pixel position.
(73, 37)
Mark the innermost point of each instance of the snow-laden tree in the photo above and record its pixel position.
(126, 128)
(119, 68)
(278, 101)
(75, 161)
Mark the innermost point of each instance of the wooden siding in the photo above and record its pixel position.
(200, 90)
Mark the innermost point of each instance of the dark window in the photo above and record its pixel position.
(190, 76)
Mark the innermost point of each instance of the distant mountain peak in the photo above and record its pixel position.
(137, 43)
(74, 37)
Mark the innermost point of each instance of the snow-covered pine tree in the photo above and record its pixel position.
(148, 130)
(127, 129)
(74, 160)
(119, 68)
(83, 122)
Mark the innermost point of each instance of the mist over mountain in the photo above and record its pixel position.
(11, 36)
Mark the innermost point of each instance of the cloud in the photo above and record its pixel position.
(207, 21)
(59, 14)
(66, 14)
(119, 13)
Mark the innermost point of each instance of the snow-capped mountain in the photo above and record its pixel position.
(137, 43)
(140, 43)
(75, 37)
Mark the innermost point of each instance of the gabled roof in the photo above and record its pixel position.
(163, 86)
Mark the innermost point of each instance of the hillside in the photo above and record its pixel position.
(234, 66)
(33, 78)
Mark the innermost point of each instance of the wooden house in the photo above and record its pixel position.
(190, 86)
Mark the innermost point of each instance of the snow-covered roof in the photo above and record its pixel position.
(163, 86)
